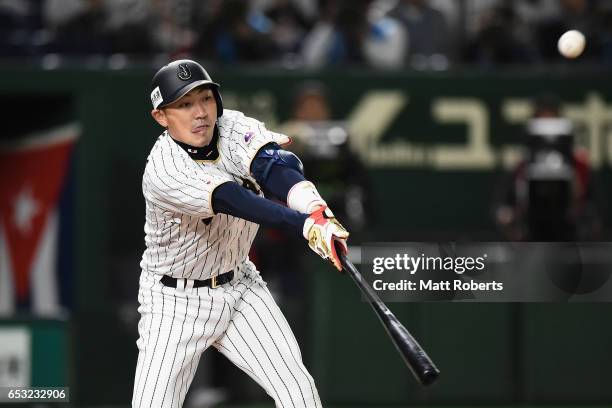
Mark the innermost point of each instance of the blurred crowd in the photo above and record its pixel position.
(419, 34)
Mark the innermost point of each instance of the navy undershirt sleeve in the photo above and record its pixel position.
(233, 199)
(280, 180)
(275, 177)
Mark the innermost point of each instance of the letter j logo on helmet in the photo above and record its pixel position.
(184, 72)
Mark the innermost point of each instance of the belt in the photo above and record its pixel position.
(213, 282)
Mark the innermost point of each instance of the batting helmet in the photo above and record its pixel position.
(177, 78)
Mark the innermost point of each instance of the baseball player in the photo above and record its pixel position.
(207, 184)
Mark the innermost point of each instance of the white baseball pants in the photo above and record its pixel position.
(240, 319)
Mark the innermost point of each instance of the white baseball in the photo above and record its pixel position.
(571, 44)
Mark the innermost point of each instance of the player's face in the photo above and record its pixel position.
(192, 118)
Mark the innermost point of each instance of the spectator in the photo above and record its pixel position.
(378, 33)
(427, 29)
(497, 41)
(235, 33)
(20, 21)
(606, 34)
(289, 26)
(85, 32)
(346, 35)
(170, 27)
(337, 37)
(128, 25)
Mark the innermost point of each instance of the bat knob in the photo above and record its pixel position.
(430, 376)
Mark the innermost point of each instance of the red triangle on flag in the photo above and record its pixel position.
(31, 178)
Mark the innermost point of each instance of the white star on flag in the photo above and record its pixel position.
(25, 208)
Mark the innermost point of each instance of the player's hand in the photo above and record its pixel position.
(322, 230)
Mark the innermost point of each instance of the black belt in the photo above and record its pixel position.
(211, 283)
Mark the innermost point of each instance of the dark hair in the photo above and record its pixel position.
(546, 102)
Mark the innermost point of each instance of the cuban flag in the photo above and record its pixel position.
(36, 223)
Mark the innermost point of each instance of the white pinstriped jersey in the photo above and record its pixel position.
(184, 237)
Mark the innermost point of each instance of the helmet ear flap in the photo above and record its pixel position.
(219, 101)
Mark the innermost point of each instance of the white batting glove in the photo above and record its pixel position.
(322, 230)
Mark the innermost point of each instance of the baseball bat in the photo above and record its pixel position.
(413, 354)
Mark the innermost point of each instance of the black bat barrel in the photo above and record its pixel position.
(414, 356)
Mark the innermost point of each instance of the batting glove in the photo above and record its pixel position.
(322, 230)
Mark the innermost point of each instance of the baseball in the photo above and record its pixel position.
(571, 44)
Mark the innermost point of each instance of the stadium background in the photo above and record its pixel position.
(489, 354)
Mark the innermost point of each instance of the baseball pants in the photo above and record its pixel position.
(240, 319)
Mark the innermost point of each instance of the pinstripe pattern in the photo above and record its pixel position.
(185, 239)
(240, 319)
(177, 194)
(260, 340)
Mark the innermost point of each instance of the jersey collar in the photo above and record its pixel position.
(210, 152)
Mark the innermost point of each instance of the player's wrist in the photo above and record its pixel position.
(304, 197)
(317, 216)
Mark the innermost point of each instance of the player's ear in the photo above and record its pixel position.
(160, 117)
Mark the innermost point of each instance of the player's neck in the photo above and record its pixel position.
(208, 152)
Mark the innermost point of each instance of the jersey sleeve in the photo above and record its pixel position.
(186, 190)
(251, 135)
